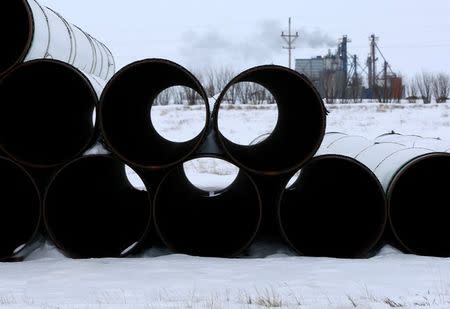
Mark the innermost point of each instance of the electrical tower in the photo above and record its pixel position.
(289, 39)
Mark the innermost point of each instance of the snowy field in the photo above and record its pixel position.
(268, 276)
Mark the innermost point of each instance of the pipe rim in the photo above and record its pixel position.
(391, 189)
(199, 138)
(213, 156)
(44, 207)
(94, 136)
(223, 141)
(27, 46)
(382, 228)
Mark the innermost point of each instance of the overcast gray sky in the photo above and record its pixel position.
(414, 35)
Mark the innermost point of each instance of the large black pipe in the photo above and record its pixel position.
(20, 210)
(299, 130)
(335, 208)
(207, 223)
(125, 113)
(92, 210)
(46, 113)
(419, 209)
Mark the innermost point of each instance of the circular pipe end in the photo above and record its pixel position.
(336, 208)
(16, 31)
(418, 205)
(125, 108)
(299, 130)
(20, 211)
(91, 210)
(207, 223)
(46, 113)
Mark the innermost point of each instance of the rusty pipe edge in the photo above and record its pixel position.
(20, 212)
(336, 208)
(300, 127)
(91, 210)
(125, 114)
(46, 115)
(193, 221)
(31, 31)
(418, 205)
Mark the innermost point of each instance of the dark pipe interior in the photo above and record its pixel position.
(336, 208)
(125, 113)
(19, 208)
(196, 222)
(46, 113)
(16, 32)
(300, 128)
(91, 209)
(419, 205)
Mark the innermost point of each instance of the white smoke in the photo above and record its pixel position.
(214, 48)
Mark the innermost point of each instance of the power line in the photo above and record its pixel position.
(290, 39)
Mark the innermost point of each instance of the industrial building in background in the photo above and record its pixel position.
(339, 75)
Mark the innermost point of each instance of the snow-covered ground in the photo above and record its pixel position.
(269, 276)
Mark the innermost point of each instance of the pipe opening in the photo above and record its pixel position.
(183, 122)
(210, 174)
(336, 208)
(418, 205)
(252, 111)
(300, 127)
(20, 208)
(191, 221)
(91, 210)
(16, 31)
(46, 113)
(125, 108)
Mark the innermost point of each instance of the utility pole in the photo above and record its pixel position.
(385, 68)
(289, 39)
(373, 45)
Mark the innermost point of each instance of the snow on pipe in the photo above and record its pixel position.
(20, 211)
(207, 223)
(47, 111)
(30, 31)
(336, 207)
(299, 130)
(415, 180)
(91, 210)
(125, 113)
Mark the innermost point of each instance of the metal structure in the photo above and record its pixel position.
(91, 210)
(336, 207)
(299, 130)
(47, 111)
(125, 113)
(20, 211)
(31, 31)
(207, 223)
(415, 181)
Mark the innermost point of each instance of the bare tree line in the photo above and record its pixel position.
(214, 81)
(425, 86)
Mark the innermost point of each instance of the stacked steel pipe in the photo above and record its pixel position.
(326, 197)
